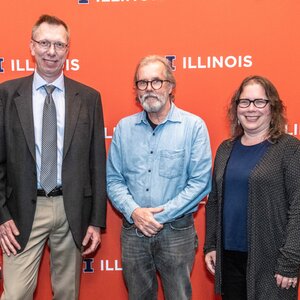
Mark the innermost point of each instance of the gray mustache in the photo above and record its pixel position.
(146, 96)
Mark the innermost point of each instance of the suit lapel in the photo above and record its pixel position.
(23, 102)
(73, 103)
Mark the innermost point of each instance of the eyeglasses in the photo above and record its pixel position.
(45, 44)
(259, 103)
(156, 84)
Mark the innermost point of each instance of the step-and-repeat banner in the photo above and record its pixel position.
(212, 45)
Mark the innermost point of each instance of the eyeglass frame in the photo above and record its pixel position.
(252, 101)
(151, 83)
(65, 46)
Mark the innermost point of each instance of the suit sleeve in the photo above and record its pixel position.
(98, 168)
(4, 213)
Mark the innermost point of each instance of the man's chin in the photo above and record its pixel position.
(151, 109)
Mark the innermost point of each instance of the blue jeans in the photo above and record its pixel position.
(171, 253)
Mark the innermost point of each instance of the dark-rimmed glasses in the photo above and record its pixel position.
(156, 84)
(45, 44)
(259, 103)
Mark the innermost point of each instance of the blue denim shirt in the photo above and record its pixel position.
(168, 167)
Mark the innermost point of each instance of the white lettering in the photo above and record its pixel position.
(117, 268)
(293, 129)
(200, 65)
(18, 65)
(218, 61)
(107, 268)
(213, 62)
(107, 265)
(106, 134)
(72, 64)
(21, 66)
(190, 66)
(110, 1)
(232, 64)
(247, 61)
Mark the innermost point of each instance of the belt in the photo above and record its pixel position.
(54, 193)
(182, 218)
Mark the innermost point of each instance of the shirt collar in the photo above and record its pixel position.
(173, 116)
(39, 82)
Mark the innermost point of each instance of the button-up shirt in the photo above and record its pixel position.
(38, 99)
(167, 167)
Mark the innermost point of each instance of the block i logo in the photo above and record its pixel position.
(1, 65)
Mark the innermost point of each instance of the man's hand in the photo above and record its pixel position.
(144, 220)
(92, 238)
(286, 282)
(210, 260)
(9, 244)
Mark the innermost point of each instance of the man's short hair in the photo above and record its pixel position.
(52, 20)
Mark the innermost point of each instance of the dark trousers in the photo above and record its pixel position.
(234, 270)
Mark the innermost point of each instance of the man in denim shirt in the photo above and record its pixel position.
(158, 170)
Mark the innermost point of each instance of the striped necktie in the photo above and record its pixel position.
(49, 143)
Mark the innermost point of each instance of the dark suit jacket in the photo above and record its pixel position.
(83, 168)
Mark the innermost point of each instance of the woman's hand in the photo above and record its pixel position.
(286, 282)
(210, 260)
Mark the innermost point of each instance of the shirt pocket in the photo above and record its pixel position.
(171, 163)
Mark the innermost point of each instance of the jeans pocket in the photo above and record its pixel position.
(129, 229)
(127, 226)
(183, 223)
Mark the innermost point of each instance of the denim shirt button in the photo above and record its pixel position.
(147, 190)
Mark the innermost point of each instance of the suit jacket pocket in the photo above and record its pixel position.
(8, 192)
(87, 192)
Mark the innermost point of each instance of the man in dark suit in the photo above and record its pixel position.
(69, 214)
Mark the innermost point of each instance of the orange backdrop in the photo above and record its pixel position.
(213, 45)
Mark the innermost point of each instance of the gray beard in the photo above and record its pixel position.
(153, 108)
